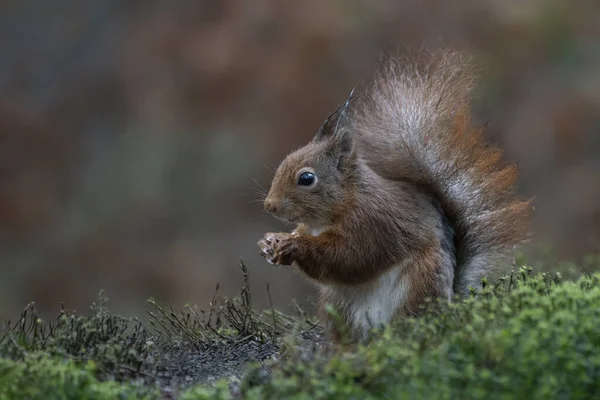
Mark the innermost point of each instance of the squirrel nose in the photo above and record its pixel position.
(270, 205)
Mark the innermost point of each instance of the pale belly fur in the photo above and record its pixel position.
(369, 305)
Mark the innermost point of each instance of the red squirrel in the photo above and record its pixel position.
(398, 198)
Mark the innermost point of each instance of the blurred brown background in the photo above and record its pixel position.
(131, 131)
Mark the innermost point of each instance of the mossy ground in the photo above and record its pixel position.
(526, 336)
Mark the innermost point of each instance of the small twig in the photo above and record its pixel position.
(212, 304)
(246, 296)
(233, 316)
(268, 286)
(155, 327)
(309, 329)
(414, 314)
(236, 343)
(14, 328)
(301, 312)
(216, 332)
(18, 347)
(138, 371)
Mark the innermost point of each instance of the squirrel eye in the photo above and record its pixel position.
(306, 179)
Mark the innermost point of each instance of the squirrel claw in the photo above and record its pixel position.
(266, 250)
(272, 248)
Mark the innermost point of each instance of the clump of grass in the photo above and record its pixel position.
(225, 320)
(204, 346)
(178, 349)
(119, 346)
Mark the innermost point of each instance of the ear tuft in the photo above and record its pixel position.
(336, 122)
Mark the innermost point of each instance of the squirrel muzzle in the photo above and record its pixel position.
(272, 205)
(280, 209)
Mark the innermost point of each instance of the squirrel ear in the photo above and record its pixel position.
(334, 126)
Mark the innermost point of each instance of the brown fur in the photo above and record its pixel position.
(444, 151)
(404, 181)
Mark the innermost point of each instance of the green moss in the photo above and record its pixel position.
(220, 391)
(523, 338)
(39, 376)
(119, 347)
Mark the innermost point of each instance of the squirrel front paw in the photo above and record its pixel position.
(278, 248)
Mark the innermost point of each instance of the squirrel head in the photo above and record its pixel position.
(312, 183)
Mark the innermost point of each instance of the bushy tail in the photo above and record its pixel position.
(415, 125)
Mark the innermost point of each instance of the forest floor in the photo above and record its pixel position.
(527, 334)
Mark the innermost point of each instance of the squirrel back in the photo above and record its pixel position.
(415, 125)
